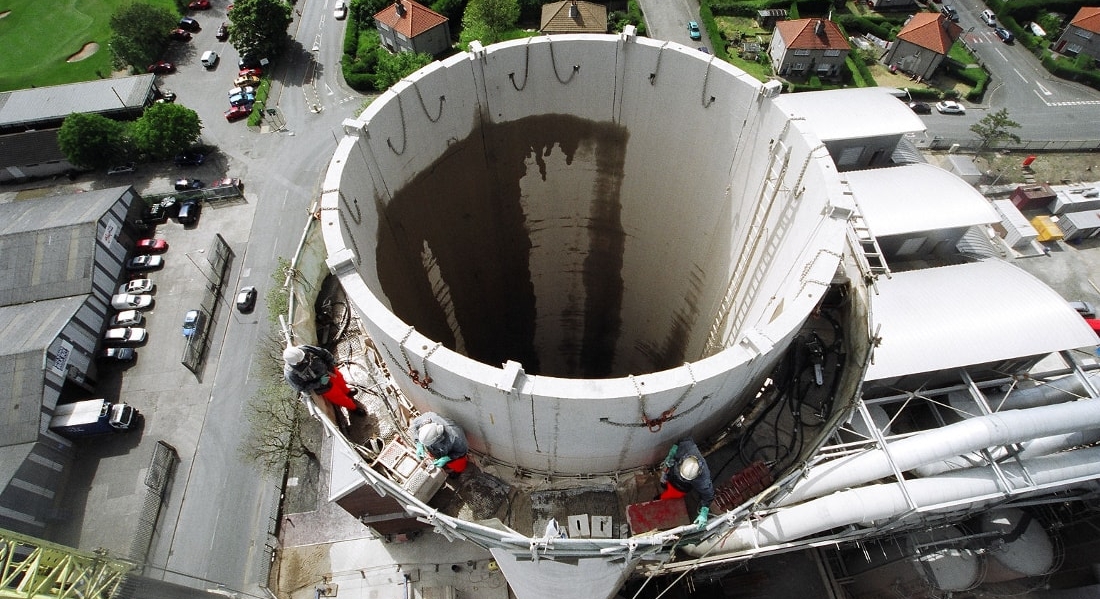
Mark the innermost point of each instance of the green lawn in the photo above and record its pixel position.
(38, 36)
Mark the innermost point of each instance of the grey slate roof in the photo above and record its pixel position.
(47, 245)
(28, 107)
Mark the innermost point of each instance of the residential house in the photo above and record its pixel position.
(407, 26)
(922, 44)
(573, 16)
(1082, 35)
(807, 47)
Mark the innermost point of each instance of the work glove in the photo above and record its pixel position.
(671, 455)
(420, 450)
(701, 519)
(439, 463)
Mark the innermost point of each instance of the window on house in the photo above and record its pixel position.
(798, 66)
(1085, 34)
(801, 52)
(832, 53)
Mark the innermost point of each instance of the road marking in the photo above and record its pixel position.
(1021, 75)
(1046, 92)
(1002, 55)
(1069, 103)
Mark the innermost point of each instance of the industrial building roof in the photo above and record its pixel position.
(831, 117)
(28, 330)
(47, 245)
(30, 107)
(917, 197)
(938, 318)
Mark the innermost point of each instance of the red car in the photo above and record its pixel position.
(238, 112)
(152, 246)
(199, 5)
(180, 35)
(250, 72)
(161, 66)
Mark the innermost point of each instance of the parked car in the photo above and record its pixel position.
(246, 80)
(180, 35)
(950, 107)
(209, 59)
(199, 5)
(223, 32)
(250, 62)
(136, 286)
(229, 182)
(125, 335)
(128, 301)
(156, 213)
(920, 107)
(185, 184)
(340, 12)
(236, 113)
(1085, 309)
(122, 169)
(246, 299)
(989, 18)
(192, 322)
(189, 212)
(144, 262)
(161, 67)
(152, 246)
(164, 97)
(120, 354)
(189, 24)
(250, 72)
(127, 318)
(949, 11)
(694, 31)
(1005, 35)
(190, 158)
(242, 99)
(248, 89)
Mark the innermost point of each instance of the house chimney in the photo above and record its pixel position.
(819, 27)
(574, 12)
(401, 11)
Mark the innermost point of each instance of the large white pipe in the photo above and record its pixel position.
(1031, 449)
(1067, 388)
(1013, 426)
(867, 505)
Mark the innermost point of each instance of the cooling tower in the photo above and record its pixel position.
(582, 248)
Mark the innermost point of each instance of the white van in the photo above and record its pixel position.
(989, 18)
(209, 59)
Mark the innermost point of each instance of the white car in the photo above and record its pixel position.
(341, 10)
(125, 335)
(950, 107)
(127, 318)
(129, 301)
(137, 286)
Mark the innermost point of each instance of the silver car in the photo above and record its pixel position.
(124, 335)
(129, 301)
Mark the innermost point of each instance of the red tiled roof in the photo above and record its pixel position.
(1088, 18)
(418, 18)
(930, 30)
(801, 35)
(592, 18)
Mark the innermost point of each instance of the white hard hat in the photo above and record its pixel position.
(689, 468)
(430, 432)
(293, 355)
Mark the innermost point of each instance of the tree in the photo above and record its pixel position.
(995, 126)
(139, 34)
(275, 416)
(392, 68)
(165, 129)
(92, 141)
(258, 27)
(490, 18)
(363, 11)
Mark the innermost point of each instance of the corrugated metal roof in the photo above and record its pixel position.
(28, 330)
(47, 245)
(966, 314)
(832, 118)
(43, 104)
(917, 197)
